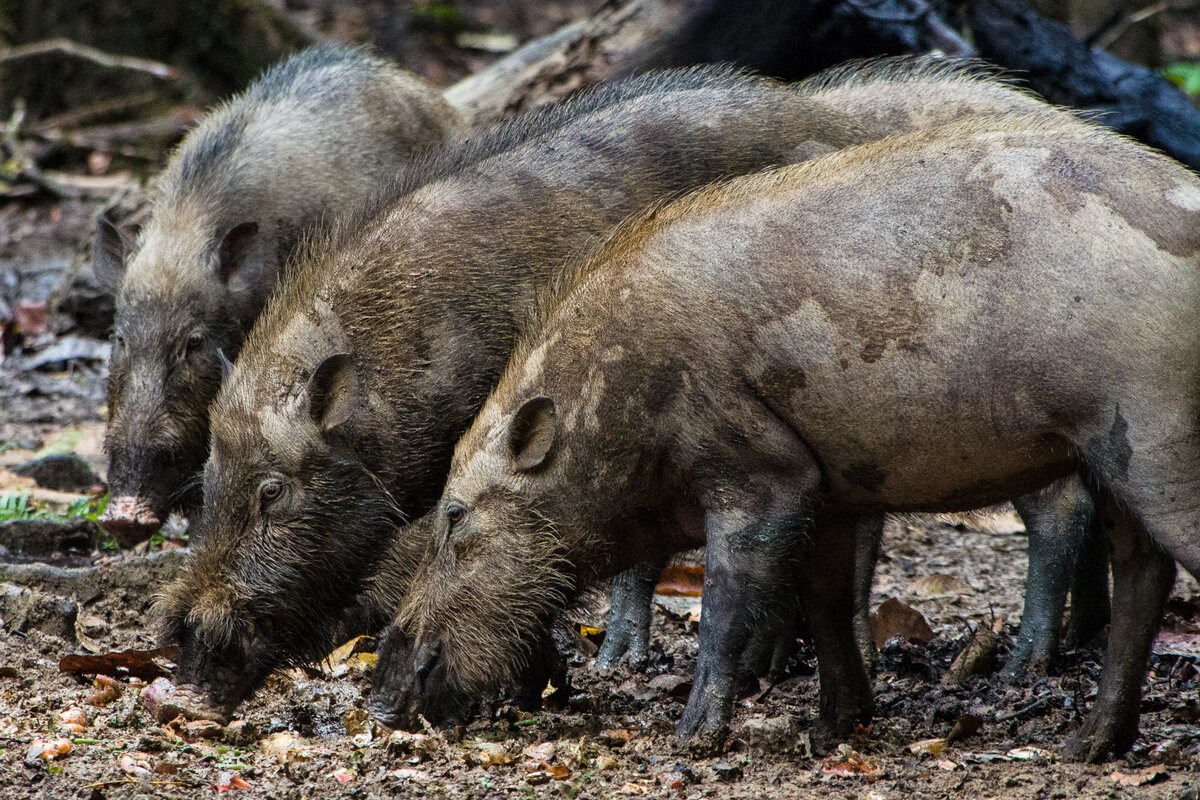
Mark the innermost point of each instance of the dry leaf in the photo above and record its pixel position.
(928, 747)
(107, 690)
(616, 738)
(144, 664)
(47, 749)
(848, 762)
(493, 753)
(966, 725)
(73, 719)
(976, 658)
(679, 580)
(1146, 776)
(939, 585)
(136, 763)
(342, 775)
(894, 618)
(281, 746)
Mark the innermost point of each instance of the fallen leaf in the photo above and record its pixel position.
(976, 658)
(74, 719)
(947, 765)
(342, 776)
(606, 762)
(848, 762)
(928, 747)
(680, 580)
(1146, 776)
(671, 685)
(939, 585)
(107, 690)
(966, 725)
(410, 774)
(588, 632)
(1177, 644)
(144, 664)
(350, 656)
(894, 618)
(30, 316)
(1030, 753)
(493, 753)
(136, 763)
(47, 749)
(540, 752)
(616, 738)
(279, 746)
(230, 780)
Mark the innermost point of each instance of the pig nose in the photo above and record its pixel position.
(129, 520)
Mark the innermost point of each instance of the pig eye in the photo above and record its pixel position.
(195, 342)
(270, 491)
(455, 514)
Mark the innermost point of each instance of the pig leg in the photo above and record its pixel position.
(1057, 519)
(628, 634)
(1142, 578)
(830, 591)
(1090, 609)
(743, 554)
(868, 538)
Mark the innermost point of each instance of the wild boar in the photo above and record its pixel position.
(340, 417)
(932, 322)
(313, 135)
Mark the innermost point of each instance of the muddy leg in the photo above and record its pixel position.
(830, 590)
(1090, 608)
(1057, 519)
(628, 634)
(868, 537)
(1142, 578)
(743, 557)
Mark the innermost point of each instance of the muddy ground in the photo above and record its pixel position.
(306, 735)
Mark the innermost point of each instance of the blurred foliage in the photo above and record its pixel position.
(218, 46)
(440, 15)
(1184, 75)
(16, 505)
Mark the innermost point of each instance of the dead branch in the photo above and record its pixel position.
(71, 48)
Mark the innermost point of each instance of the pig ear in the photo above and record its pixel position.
(333, 391)
(108, 257)
(531, 434)
(240, 260)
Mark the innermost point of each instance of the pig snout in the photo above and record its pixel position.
(166, 702)
(411, 681)
(130, 520)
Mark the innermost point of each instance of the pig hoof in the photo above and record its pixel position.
(1094, 744)
(618, 650)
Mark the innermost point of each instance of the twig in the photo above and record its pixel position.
(1111, 31)
(72, 48)
(1020, 712)
(78, 116)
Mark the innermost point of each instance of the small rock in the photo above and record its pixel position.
(768, 733)
(63, 472)
(725, 771)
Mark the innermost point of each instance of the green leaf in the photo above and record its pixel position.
(1184, 75)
